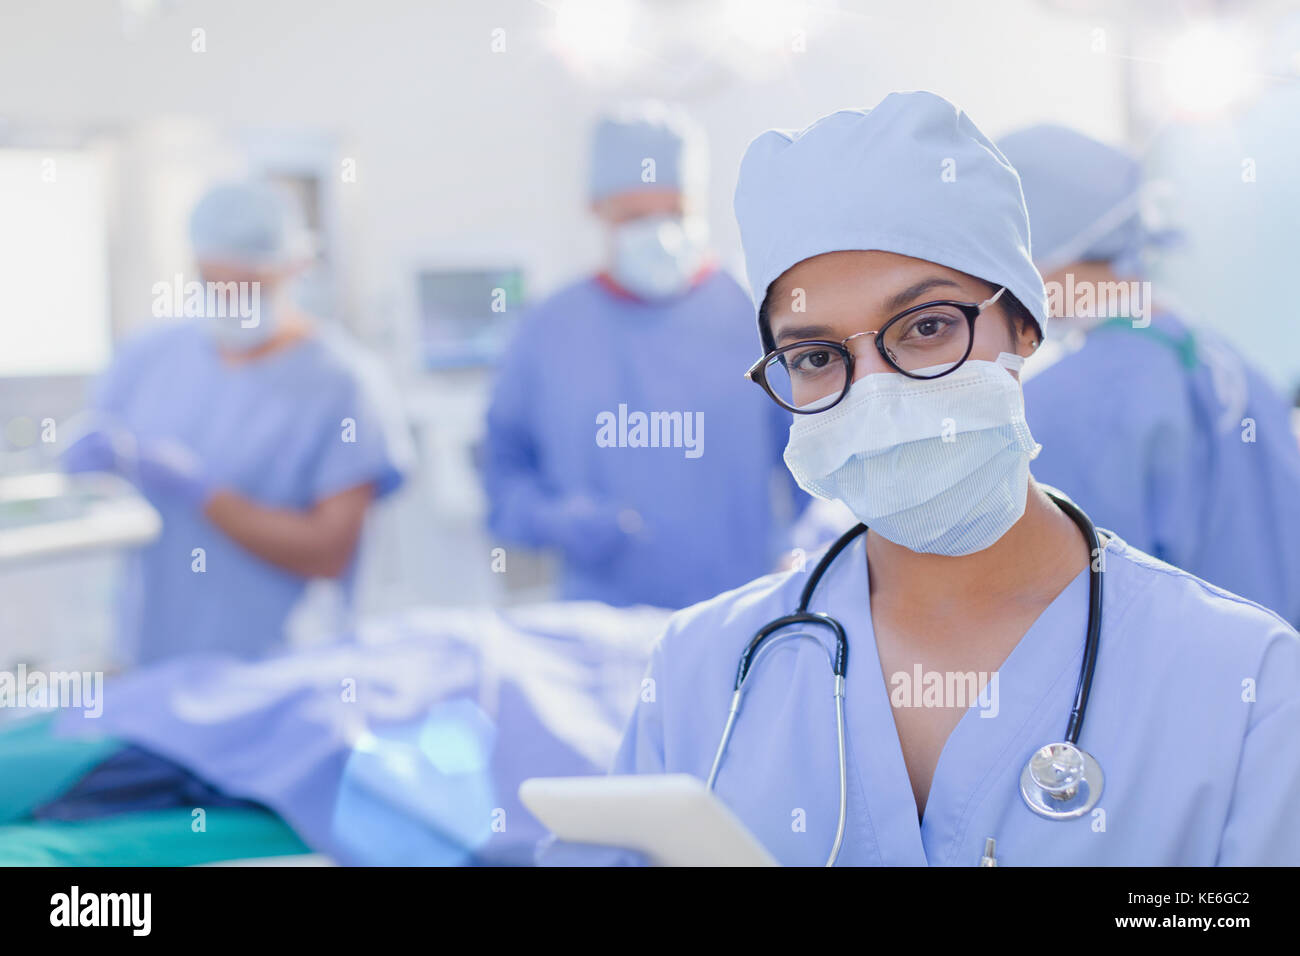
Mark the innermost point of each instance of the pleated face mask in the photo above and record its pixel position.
(939, 466)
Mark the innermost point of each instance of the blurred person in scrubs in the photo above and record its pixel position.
(872, 264)
(618, 433)
(261, 441)
(1161, 432)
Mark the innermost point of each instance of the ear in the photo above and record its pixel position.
(1027, 338)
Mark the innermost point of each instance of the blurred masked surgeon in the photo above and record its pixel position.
(252, 435)
(619, 434)
(1163, 433)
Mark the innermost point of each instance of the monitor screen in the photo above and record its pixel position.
(466, 315)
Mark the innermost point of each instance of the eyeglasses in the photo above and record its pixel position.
(927, 341)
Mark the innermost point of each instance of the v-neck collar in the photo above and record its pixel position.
(978, 748)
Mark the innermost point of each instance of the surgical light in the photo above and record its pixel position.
(593, 32)
(1208, 68)
(765, 25)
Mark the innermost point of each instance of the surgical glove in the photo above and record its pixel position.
(93, 451)
(167, 470)
(551, 851)
(589, 533)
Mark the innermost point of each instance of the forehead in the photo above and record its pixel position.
(869, 279)
(217, 270)
(633, 203)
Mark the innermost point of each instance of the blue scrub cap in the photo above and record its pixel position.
(1084, 199)
(249, 223)
(913, 176)
(645, 146)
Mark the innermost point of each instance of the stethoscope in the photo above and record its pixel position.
(1061, 780)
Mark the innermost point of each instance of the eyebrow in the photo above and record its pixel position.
(894, 305)
(913, 292)
(799, 333)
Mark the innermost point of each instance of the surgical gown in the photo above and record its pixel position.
(275, 430)
(711, 516)
(1192, 718)
(1173, 441)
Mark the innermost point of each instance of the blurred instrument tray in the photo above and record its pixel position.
(50, 514)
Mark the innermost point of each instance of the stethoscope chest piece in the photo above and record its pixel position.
(1061, 781)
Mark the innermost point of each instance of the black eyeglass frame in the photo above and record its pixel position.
(971, 310)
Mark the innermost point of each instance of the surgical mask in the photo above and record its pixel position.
(656, 257)
(228, 332)
(938, 466)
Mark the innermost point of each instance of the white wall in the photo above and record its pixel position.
(460, 148)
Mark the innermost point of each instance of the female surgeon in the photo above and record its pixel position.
(260, 440)
(889, 251)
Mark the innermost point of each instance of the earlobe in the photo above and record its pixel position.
(1029, 342)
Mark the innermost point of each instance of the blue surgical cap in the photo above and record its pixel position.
(645, 146)
(1083, 198)
(248, 223)
(913, 176)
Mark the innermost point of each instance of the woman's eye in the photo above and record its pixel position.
(929, 326)
(810, 361)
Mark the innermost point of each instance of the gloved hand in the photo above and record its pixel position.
(590, 533)
(166, 470)
(94, 451)
(554, 852)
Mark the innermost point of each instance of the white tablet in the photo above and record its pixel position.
(670, 818)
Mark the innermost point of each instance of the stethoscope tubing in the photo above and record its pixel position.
(839, 662)
(1092, 642)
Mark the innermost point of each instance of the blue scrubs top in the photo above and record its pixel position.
(1177, 444)
(275, 430)
(1194, 707)
(709, 521)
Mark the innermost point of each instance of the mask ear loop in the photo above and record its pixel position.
(1008, 360)
(991, 299)
(1011, 361)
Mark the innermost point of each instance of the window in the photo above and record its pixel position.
(54, 313)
